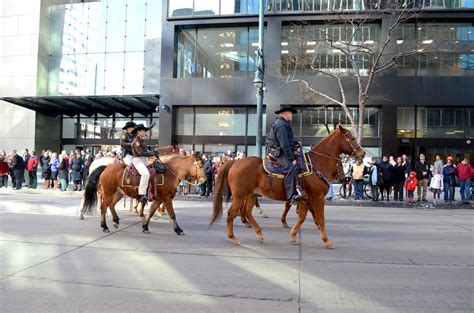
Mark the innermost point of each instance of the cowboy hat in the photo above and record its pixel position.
(286, 109)
(140, 127)
(128, 125)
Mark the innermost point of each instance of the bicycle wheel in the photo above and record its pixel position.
(345, 191)
(368, 190)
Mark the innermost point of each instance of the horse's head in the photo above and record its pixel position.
(348, 143)
(197, 170)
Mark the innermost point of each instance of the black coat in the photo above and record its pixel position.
(17, 163)
(281, 137)
(46, 165)
(62, 169)
(76, 166)
(399, 173)
(208, 168)
(387, 171)
(422, 167)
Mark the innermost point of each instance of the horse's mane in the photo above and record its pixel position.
(325, 140)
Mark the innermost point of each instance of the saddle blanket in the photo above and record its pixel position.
(275, 170)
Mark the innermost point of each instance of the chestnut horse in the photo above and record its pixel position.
(325, 158)
(106, 161)
(177, 168)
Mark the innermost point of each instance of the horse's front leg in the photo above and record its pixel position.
(169, 208)
(317, 210)
(285, 213)
(302, 211)
(154, 205)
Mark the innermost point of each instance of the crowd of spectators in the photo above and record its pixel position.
(395, 176)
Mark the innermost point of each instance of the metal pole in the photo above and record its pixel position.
(259, 79)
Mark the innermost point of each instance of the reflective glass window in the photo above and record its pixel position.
(135, 26)
(252, 121)
(233, 6)
(88, 128)
(69, 127)
(152, 57)
(114, 72)
(95, 73)
(441, 123)
(185, 121)
(180, 8)
(220, 121)
(206, 7)
(116, 16)
(119, 123)
(133, 74)
(105, 128)
(186, 66)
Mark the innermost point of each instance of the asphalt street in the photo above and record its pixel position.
(387, 259)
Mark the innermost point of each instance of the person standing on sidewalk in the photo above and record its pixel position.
(54, 170)
(76, 166)
(410, 184)
(32, 168)
(4, 170)
(399, 170)
(46, 169)
(449, 181)
(375, 179)
(358, 171)
(422, 169)
(25, 154)
(18, 167)
(464, 178)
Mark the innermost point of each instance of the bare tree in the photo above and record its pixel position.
(359, 49)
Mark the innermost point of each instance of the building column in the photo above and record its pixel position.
(389, 130)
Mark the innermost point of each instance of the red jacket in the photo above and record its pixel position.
(4, 169)
(32, 165)
(464, 171)
(411, 182)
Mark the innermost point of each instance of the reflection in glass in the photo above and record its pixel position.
(95, 74)
(119, 123)
(104, 128)
(116, 17)
(69, 127)
(233, 7)
(180, 8)
(252, 122)
(133, 74)
(185, 121)
(206, 7)
(221, 121)
(186, 53)
(135, 26)
(88, 129)
(114, 65)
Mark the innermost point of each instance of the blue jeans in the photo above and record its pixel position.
(330, 194)
(358, 189)
(448, 192)
(465, 189)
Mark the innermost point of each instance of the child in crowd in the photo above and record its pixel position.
(436, 185)
(410, 185)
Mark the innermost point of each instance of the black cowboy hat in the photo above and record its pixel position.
(129, 124)
(140, 127)
(286, 109)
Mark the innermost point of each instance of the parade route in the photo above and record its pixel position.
(386, 260)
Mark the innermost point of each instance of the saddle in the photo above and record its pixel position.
(131, 179)
(272, 168)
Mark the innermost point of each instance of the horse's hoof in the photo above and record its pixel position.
(264, 215)
(285, 225)
(247, 225)
(80, 217)
(328, 245)
(146, 231)
(106, 230)
(181, 233)
(294, 241)
(235, 241)
(116, 225)
(260, 239)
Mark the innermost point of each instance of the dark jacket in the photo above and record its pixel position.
(449, 175)
(126, 142)
(399, 173)
(62, 169)
(140, 149)
(17, 163)
(422, 167)
(379, 174)
(387, 171)
(408, 168)
(45, 165)
(280, 137)
(76, 166)
(208, 168)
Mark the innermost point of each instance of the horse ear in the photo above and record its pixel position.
(340, 128)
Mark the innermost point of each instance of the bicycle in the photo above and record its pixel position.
(345, 191)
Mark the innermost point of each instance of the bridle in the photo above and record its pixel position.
(195, 177)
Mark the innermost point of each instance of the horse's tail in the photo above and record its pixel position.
(90, 190)
(221, 185)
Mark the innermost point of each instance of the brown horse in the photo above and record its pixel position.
(177, 168)
(324, 156)
(105, 161)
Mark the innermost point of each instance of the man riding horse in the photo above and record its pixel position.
(281, 144)
(140, 152)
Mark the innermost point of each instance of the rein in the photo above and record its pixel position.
(182, 179)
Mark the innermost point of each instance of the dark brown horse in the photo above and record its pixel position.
(177, 168)
(325, 158)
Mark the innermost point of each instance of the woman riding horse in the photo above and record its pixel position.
(324, 157)
(112, 188)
